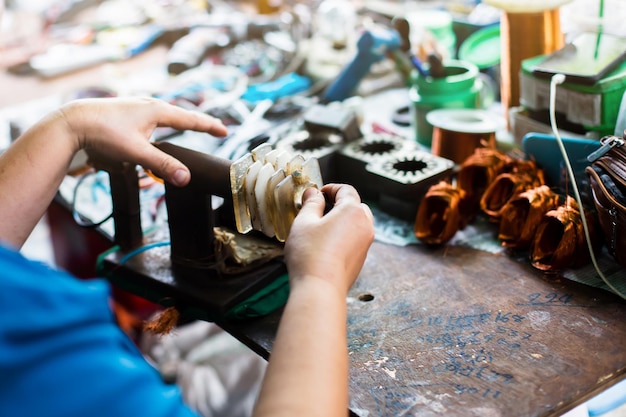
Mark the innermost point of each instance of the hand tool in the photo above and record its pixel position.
(372, 46)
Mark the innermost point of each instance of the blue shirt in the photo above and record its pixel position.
(62, 354)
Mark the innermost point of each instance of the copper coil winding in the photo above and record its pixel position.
(515, 165)
(521, 216)
(522, 176)
(487, 181)
(559, 242)
(438, 217)
(478, 171)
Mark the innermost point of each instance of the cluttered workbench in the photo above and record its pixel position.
(463, 328)
(453, 331)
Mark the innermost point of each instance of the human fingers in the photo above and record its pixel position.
(154, 112)
(340, 238)
(353, 224)
(111, 125)
(313, 203)
(183, 119)
(120, 129)
(340, 194)
(164, 165)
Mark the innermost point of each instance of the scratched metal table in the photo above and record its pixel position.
(463, 332)
(469, 333)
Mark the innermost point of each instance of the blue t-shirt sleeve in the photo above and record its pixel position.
(62, 354)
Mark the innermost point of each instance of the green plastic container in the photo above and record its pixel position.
(594, 107)
(461, 88)
(482, 48)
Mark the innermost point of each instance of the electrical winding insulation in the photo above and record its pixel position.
(267, 186)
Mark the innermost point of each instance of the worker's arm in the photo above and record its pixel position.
(32, 168)
(308, 368)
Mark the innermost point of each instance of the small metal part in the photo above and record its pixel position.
(238, 171)
(374, 146)
(352, 159)
(411, 167)
(608, 142)
(320, 146)
(391, 171)
(267, 187)
(339, 120)
(403, 180)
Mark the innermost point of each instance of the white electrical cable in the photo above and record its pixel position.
(554, 81)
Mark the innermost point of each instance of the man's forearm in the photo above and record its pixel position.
(308, 370)
(31, 171)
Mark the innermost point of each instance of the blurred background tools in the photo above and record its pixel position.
(372, 46)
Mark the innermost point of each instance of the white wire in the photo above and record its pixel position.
(554, 81)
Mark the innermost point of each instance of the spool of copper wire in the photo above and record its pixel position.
(458, 132)
(527, 29)
(268, 6)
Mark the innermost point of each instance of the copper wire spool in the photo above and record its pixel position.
(458, 132)
(525, 35)
(527, 29)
